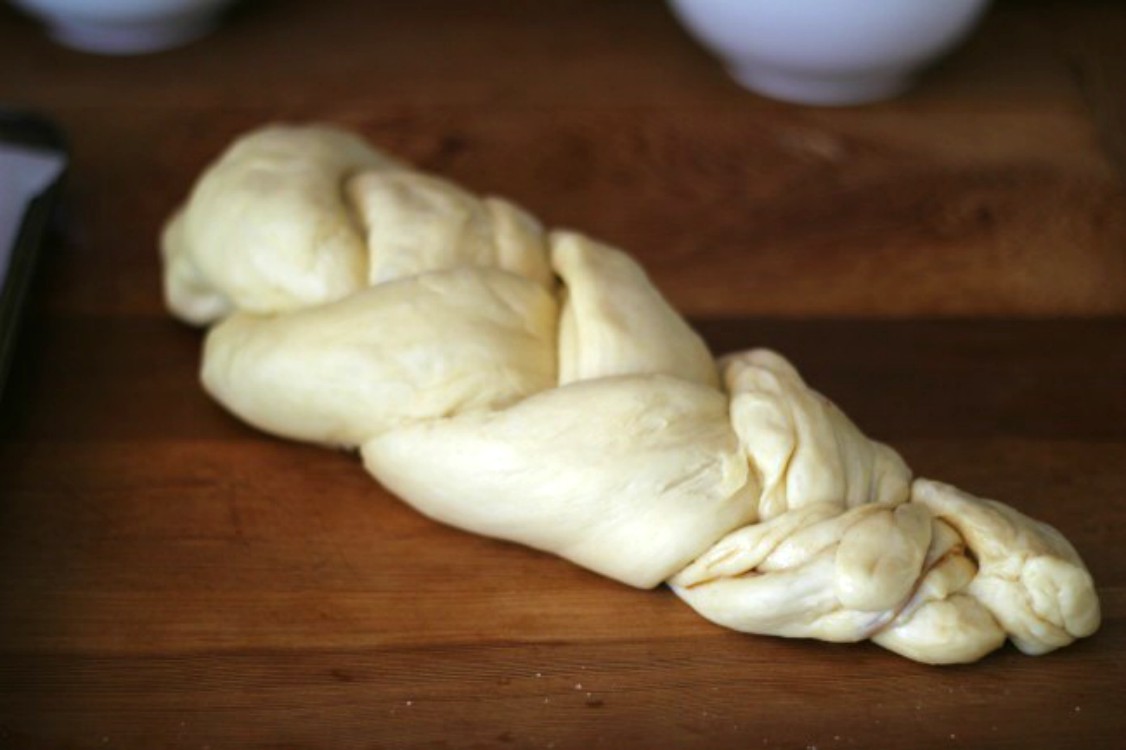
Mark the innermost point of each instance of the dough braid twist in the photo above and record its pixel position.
(534, 386)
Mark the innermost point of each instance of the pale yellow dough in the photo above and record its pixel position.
(267, 228)
(534, 386)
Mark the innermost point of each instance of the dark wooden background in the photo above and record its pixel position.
(949, 266)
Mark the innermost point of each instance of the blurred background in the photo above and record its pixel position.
(994, 186)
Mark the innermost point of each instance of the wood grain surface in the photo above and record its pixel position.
(950, 267)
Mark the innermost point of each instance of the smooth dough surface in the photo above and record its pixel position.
(629, 476)
(418, 348)
(267, 228)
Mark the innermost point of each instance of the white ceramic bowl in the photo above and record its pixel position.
(125, 26)
(832, 52)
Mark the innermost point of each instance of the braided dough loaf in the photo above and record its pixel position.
(534, 386)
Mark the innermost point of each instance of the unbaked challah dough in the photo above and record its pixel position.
(534, 386)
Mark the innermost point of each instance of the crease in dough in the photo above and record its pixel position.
(416, 223)
(805, 448)
(1030, 577)
(615, 322)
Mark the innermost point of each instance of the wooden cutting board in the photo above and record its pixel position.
(173, 579)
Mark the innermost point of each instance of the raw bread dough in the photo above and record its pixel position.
(534, 386)
(267, 228)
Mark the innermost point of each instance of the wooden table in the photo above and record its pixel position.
(948, 266)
